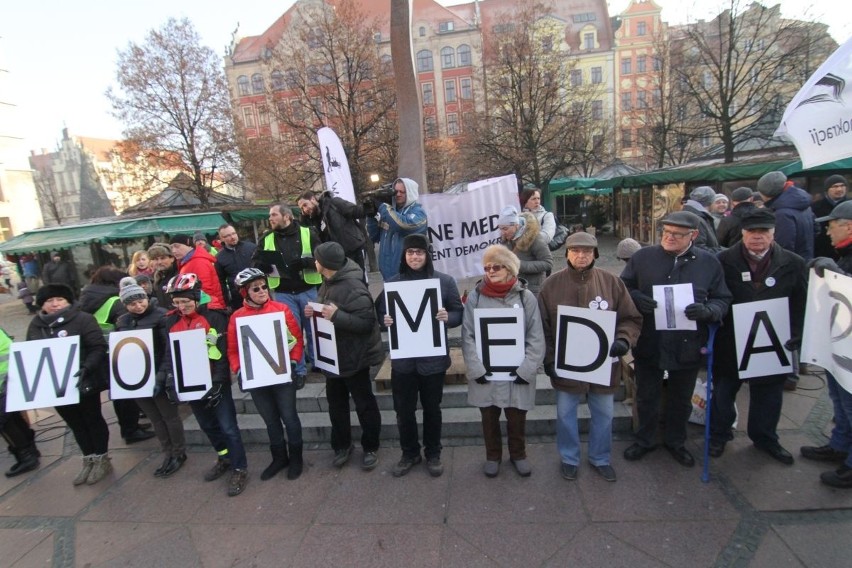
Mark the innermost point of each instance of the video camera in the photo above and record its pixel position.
(384, 194)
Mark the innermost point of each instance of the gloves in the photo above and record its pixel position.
(213, 397)
(370, 207)
(159, 383)
(84, 385)
(793, 344)
(550, 370)
(618, 348)
(482, 380)
(645, 304)
(821, 264)
(264, 267)
(699, 312)
(308, 262)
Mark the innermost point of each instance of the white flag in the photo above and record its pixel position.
(335, 167)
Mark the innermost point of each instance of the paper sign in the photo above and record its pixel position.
(132, 367)
(583, 339)
(672, 300)
(264, 356)
(760, 331)
(500, 344)
(41, 373)
(827, 340)
(325, 341)
(191, 364)
(415, 331)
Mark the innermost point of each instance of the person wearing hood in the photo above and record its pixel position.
(699, 202)
(335, 219)
(421, 376)
(394, 222)
(580, 284)
(795, 223)
(835, 188)
(719, 209)
(522, 235)
(59, 316)
(192, 259)
(729, 231)
(348, 305)
(59, 271)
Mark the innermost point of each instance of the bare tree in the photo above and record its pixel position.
(745, 65)
(48, 195)
(274, 170)
(172, 97)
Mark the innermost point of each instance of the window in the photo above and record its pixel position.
(658, 64)
(547, 44)
(597, 75)
(641, 28)
(754, 76)
(448, 58)
(504, 28)
(627, 101)
(422, 31)
(656, 96)
(641, 101)
(707, 79)
(467, 120)
(428, 94)
(430, 126)
(313, 75)
(589, 40)
(466, 88)
(584, 17)
(296, 110)
(257, 83)
(704, 141)
(263, 116)
(641, 66)
(576, 77)
(780, 72)
(243, 85)
(453, 124)
(450, 91)
(377, 37)
(445, 27)
(314, 39)
(597, 110)
(626, 66)
(424, 61)
(277, 80)
(248, 117)
(463, 52)
(626, 138)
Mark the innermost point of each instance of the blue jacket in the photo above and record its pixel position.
(393, 225)
(795, 223)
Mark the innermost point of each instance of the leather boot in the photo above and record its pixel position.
(295, 468)
(280, 460)
(26, 460)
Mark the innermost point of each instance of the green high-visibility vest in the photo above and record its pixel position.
(102, 315)
(5, 347)
(308, 275)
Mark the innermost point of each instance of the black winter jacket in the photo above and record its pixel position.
(287, 258)
(706, 229)
(229, 263)
(795, 224)
(822, 242)
(338, 220)
(94, 296)
(730, 229)
(154, 319)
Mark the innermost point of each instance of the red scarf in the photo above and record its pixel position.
(843, 244)
(497, 289)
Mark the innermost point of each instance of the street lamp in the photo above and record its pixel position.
(374, 178)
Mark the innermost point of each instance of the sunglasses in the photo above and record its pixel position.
(259, 288)
(493, 267)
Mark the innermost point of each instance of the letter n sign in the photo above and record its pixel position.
(583, 339)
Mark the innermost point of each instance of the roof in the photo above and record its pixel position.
(179, 196)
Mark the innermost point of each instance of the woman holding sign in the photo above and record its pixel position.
(59, 316)
(277, 403)
(501, 367)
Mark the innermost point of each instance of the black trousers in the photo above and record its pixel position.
(359, 386)
(127, 413)
(649, 389)
(406, 388)
(764, 408)
(14, 428)
(87, 424)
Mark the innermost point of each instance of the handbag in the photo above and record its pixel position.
(559, 237)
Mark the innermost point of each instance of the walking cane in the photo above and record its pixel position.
(705, 474)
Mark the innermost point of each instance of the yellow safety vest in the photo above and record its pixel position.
(308, 275)
(213, 351)
(5, 347)
(102, 315)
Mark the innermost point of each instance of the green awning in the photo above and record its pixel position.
(188, 224)
(256, 214)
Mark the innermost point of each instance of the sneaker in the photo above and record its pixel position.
(435, 467)
(823, 453)
(522, 466)
(341, 457)
(606, 471)
(841, 478)
(405, 464)
(218, 470)
(568, 471)
(237, 483)
(370, 460)
(491, 468)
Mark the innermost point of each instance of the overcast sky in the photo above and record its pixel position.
(61, 54)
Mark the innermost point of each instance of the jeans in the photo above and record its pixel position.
(406, 387)
(841, 434)
(167, 423)
(87, 424)
(516, 426)
(764, 409)
(277, 405)
(297, 303)
(220, 425)
(337, 390)
(649, 387)
(568, 431)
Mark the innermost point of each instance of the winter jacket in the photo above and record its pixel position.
(287, 258)
(394, 224)
(200, 262)
(338, 220)
(822, 242)
(650, 266)
(269, 307)
(845, 260)
(359, 342)
(206, 319)
(789, 273)
(60, 273)
(706, 228)
(229, 263)
(93, 347)
(154, 318)
(450, 300)
(161, 279)
(795, 224)
(546, 221)
(94, 296)
(503, 394)
(584, 289)
(530, 246)
(730, 232)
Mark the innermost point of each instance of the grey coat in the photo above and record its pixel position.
(532, 250)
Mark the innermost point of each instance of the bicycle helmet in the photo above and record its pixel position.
(185, 286)
(248, 275)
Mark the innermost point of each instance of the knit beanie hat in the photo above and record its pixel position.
(49, 291)
(741, 194)
(772, 184)
(182, 239)
(508, 216)
(832, 180)
(130, 291)
(626, 248)
(330, 255)
(198, 236)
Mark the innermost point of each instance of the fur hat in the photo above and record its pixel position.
(772, 184)
(130, 290)
(703, 194)
(741, 194)
(330, 255)
(498, 254)
(415, 241)
(159, 250)
(508, 216)
(626, 248)
(49, 291)
(831, 180)
(183, 240)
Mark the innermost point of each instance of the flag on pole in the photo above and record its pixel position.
(335, 167)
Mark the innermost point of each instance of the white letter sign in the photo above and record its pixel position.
(325, 341)
(590, 334)
(131, 364)
(264, 356)
(761, 329)
(499, 336)
(41, 373)
(827, 339)
(190, 363)
(415, 331)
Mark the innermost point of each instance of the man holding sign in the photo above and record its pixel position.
(756, 269)
(677, 350)
(582, 285)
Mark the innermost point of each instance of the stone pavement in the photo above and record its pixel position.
(753, 512)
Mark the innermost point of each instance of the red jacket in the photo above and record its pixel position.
(200, 263)
(268, 308)
(202, 319)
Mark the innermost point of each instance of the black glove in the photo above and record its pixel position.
(793, 344)
(308, 262)
(821, 264)
(84, 385)
(550, 370)
(213, 397)
(618, 348)
(482, 380)
(645, 304)
(159, 383)
(698, 312)
(370, 207)
(264, 267)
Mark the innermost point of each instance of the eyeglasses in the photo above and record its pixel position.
(416, 252)
(675, 234)
(493, 267)
(259, 288)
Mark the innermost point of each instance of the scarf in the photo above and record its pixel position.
(759, 268)
(498, 289)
